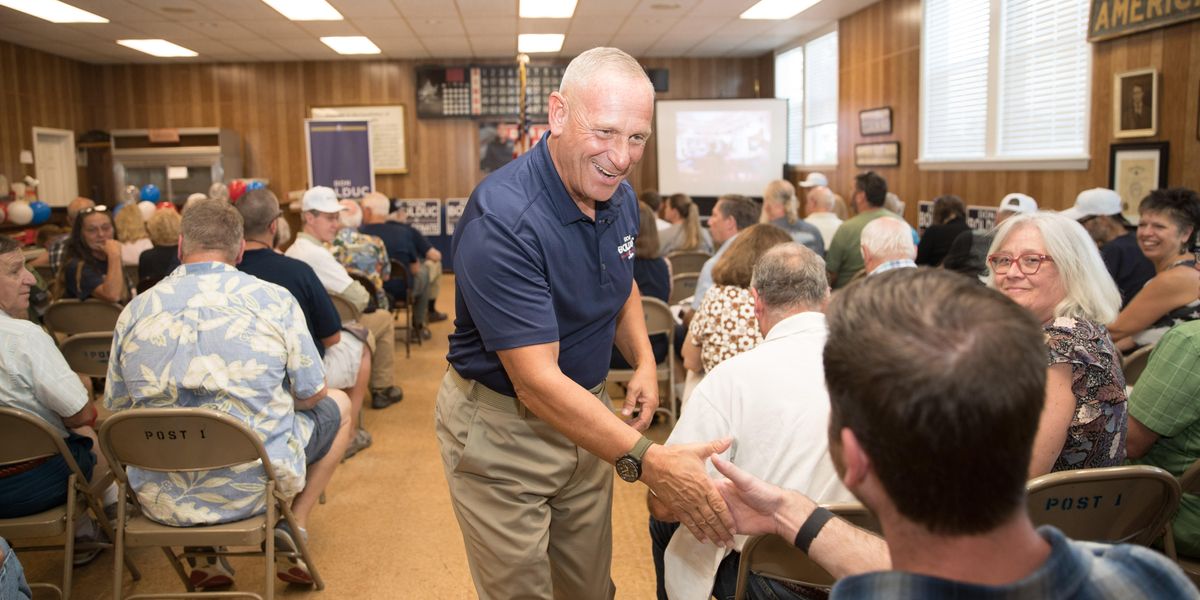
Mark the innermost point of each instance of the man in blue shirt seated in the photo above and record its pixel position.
(935, 402)
(409, 247)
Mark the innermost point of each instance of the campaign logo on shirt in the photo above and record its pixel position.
(625, 250)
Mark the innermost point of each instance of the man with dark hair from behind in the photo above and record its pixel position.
(936, 385)
(731, 214)
(843, 257)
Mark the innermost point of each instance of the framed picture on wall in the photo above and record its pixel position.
(1135, 103)
(875, 121)
(883, 154)
(1135, 170)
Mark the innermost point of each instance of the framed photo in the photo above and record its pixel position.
(1135, 170)
(1135, 103)
(883, 154)
(388, 152)
(875, 121)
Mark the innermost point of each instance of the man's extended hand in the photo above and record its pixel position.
(753, 503)
(642, 390)
(677, 476)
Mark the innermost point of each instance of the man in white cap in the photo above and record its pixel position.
(968, 253)
(1099, 211)
(818, 205)
(320, 225)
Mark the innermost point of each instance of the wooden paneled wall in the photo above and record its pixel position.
(36, 90)
(880, 66)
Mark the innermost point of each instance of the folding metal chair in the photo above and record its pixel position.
(658, 321)
(687, 261)
(683, 286)
(1135, 363)
(1114, 505)
(345, 308)
(70, 316)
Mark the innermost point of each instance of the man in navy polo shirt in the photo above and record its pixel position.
(543, 260)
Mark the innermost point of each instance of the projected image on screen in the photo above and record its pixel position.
(714, 147)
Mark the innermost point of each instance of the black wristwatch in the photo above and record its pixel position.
(629, 466)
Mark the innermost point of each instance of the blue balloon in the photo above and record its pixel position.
(255, 185)
(150, 193)
(41, 212)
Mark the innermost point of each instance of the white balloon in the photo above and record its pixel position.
(20, 213)
(147, 209)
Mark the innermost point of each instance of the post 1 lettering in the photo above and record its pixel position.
(1078, 503)
(180, 434)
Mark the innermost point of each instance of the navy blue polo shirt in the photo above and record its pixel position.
(1130, 269)
(530, 268)
(298, 278)
(399, 239)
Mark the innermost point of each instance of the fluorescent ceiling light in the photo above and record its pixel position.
(351, 44)
(777, 10)
(305, 10)
(539, 42)
(547, 9)
(161, 48)
(53, 11)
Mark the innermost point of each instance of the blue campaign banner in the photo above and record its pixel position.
(339, 156)
(424, 214)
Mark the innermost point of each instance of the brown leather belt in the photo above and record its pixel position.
(22, 467)
(477, 392)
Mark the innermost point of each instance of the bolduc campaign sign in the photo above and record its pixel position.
(339, 156)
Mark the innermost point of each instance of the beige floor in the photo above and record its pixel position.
(387, 530)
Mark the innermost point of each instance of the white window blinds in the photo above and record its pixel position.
(955, 79)
(820, 109)
(789, 84)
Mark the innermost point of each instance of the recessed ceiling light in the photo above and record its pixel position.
(177, 10)
(664, 6)
(539, 42)
(305, 10)
(351, 44)
(161, 48)
(547, 9)
(777, 10)
(53, 11)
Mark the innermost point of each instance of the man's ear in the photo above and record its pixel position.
(760, 308)
(558, 113)
(855, 462)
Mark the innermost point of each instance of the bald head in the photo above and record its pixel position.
(77, 205)
(375, 208)
(592, 64)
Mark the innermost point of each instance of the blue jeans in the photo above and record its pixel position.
(12, 576)
(45, 486)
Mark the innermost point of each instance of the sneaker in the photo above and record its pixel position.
(88, 533)
(291, 569)
(385, 397)
(361, 441)
(435, 316)
(209, 572)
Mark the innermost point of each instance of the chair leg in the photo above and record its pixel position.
(69, 545)
(269, 558)
(119, 542)
(98, 512)
(302, 546)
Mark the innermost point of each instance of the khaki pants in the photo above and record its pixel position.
(535, 510)
(383, 372)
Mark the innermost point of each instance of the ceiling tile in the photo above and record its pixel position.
(487, 8)
(494, 46)
(365, 8)
(612, 8)
(400, 46)
(171, 30)
(438, 26)
(642, 27)
(596, 25)
(748, 27)
(543, 25)
(219, 30)
(721, 8)
(243, 10)
(697, 28)
(411, 9)
(178, 10)
(121, 11)
(666, 8)
(577, 43)
(491, 26)
(280, 29)
(324, 28)
(447, 46)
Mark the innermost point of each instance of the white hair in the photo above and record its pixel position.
(893, 203)
(1090, 291)
(782, 192)
(587, 67)
(821, 197)
(352, 217)
(888, 238)
(377, 203)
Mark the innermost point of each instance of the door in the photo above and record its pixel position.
(54, 163)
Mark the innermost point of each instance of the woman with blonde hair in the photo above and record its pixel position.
(1048, 263)
(131, 232)
(159, 261)
(781, 208)
(685, 232)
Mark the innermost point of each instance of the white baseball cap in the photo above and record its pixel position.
(1018, 203)
(321, 199)
(814, 179)
(1094, 202)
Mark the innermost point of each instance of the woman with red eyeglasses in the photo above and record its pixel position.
(1048, 264)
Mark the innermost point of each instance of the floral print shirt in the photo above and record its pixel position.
(1096, 437)
(364, 254)
(210, 336)
(725, 325)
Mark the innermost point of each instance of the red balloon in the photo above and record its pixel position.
(237, 187)
(165, 205)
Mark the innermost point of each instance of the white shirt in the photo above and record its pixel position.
(772, 400)
(332, 274)
(662, 224)
(826, 222)
(132, 251)
(35, 376)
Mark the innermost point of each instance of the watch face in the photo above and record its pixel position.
(628, 468)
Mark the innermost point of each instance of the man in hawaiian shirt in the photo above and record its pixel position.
(360, 253)
(210, 336)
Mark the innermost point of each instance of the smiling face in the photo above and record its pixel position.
(598, 132)
(1160, 237)
(97, 228)
(1039, 293)
(15, 283)
(321, 225)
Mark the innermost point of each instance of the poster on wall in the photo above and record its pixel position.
(1134, 171)
(424, 214)
(924, 215)
(981, 218)
(454, 211)
(339, 156)
(388, 152)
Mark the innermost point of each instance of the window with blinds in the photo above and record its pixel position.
(807, 76)
(1005, 82)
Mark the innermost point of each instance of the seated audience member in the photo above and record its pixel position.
(346, 358)
(12, 576)
(159, 261)
(131, 232)
(781, 208)
(949, 221)
(172, 347)
(895, 205)
(1164, 421)
(54, 251)
(772, 401)
(886, 244)
(731, 214)
(320, 221)
(843, 257)
(968, 253)
(405, 245)
(92, 260)
(818, 205)
(429, 261)
(652, 273)
(360, 253)
(1167, 225)
(725, 325)
(684, 234)
(1047, 264)
(652, 199)
(37, 380)
(283, 234)
(911, 385)
(1099, 211)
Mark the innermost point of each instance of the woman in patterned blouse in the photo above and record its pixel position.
(725, 324)
(1048, 264)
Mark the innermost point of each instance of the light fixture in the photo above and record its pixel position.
(547, 9)
(53, 11)
(539, 42)
(305, 10)
(777, 10)
(351, 44)
(161, 48)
